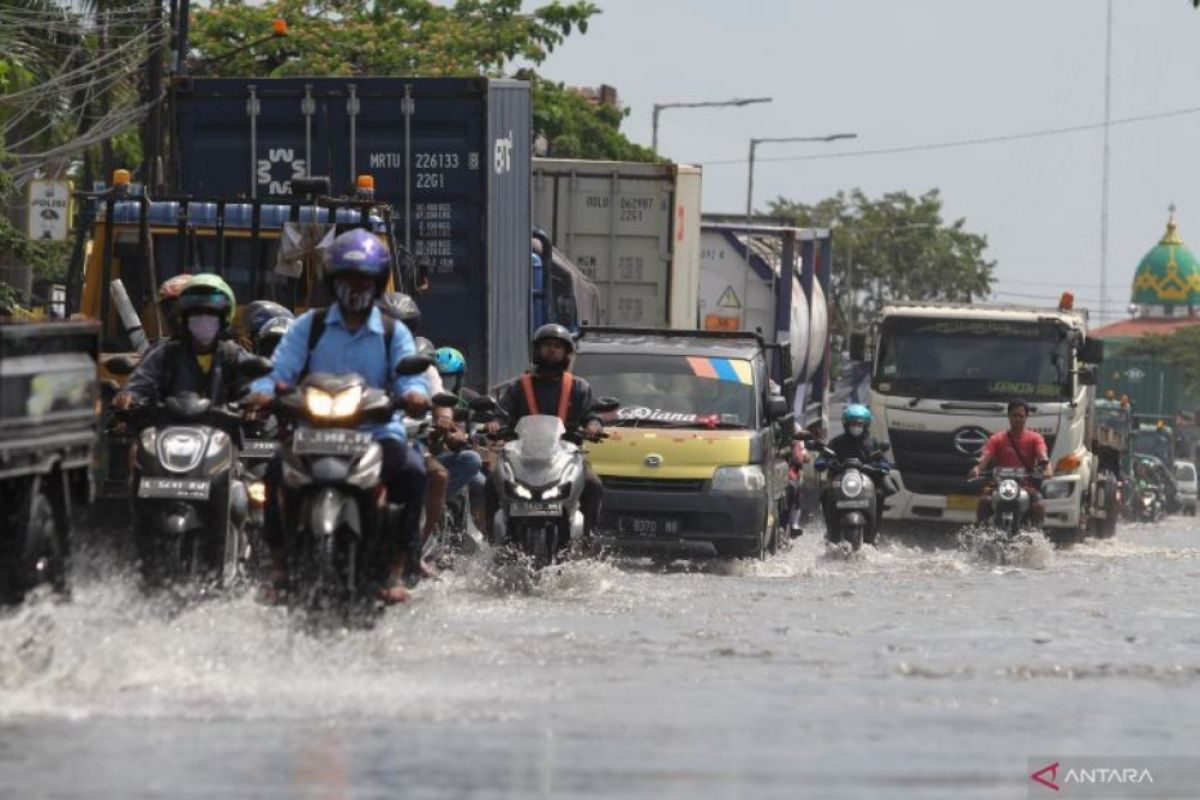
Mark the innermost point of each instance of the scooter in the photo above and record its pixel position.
(853, 491)
(335, 507)
(1148, 503)
(1011, 503)
(539, 479)
(454, 533)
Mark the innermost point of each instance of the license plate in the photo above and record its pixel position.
(648, 526)
(961, 502)
(260, 448)
(329, 442)
(173, 488)
(535, 509)
(854, 503)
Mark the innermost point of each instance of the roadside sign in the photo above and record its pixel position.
(49, 210)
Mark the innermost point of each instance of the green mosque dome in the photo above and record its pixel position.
(1169, 275)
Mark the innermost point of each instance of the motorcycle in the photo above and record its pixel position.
(260, 443)
(336, 510)
(1010, 499)
(853, 494)
(190, 503)
(455, 533)
(1148, 502)
(795, 485)
(540, 479)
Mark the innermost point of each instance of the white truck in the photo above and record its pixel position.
(943, 375)
(632, 228)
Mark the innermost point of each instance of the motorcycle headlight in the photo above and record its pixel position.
(179, 450)
(324, 405)
(852, 483)
(554, 492)
(522, 492)
(744, 480)
(258, 494)
(1008, 490)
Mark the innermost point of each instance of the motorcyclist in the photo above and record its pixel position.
(265, 322)
(168, 296)
(1015, 448)
(198, 359)
(854, 442)
(351, 336)
(451, 367)
(549, 388)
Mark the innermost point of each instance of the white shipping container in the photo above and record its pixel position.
(632, 228)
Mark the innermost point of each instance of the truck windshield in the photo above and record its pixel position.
(673, 391)
(966, 359)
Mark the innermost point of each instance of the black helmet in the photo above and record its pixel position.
(557, 333)
(260, 312)
(398, 305)
(425, 347)
(267, 337)
(554, 331)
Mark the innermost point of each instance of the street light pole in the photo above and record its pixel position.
(754, 143)
(658, 107)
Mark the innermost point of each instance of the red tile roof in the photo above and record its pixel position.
(1133, 328)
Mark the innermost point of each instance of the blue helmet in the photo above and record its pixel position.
(259, 312)
(450, 361)
(361, 252)
(856, 412)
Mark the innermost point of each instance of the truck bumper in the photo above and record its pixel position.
(665, 522)
(908, 506)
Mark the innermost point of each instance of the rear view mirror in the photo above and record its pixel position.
(444, 400)
(255, 367)
(858, 346)
(606, 405)
(1092, 352)
(777, 407)
(1087, 376)
(484, 405)
(413, 365)
(121, 365)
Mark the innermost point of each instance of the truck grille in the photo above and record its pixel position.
(929, 463)
(653, 485)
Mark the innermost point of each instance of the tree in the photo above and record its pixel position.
(896, 247)
(1180, 349)
(415, 37)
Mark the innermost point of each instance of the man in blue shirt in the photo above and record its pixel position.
(352, 338)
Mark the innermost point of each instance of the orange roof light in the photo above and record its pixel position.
(1066, 302)
(365, 182)
(120, 177)
(279, 27)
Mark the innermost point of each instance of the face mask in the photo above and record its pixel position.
(856, 430)
(351, 300)
(204, 328)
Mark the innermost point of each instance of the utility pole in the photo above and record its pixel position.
(152, 137)
(1105, 170)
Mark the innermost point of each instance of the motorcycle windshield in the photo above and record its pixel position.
(539, 437)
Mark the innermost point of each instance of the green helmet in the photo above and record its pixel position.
(207, 292)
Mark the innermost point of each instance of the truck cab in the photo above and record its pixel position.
(942, 377)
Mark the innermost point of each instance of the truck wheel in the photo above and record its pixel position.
(42, 553)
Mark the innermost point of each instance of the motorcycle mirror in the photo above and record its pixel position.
(885, 447)
(484, 405)
(255, 367)
(444, 400)
(413, 365)
(606, 405)
(121, 365)
(109, 389)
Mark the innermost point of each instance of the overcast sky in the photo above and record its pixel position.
(924, 72)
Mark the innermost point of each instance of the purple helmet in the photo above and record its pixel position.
(359, 251)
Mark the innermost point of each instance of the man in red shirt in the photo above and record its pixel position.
(1015, 448)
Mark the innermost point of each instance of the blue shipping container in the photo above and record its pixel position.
(451, 155)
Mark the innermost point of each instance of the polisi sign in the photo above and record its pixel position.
(49, 210)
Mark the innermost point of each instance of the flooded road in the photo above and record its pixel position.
(906, 672)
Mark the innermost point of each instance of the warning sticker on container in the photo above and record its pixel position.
(721, 322)
(729, 299)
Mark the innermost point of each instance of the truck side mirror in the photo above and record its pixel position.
(1087, 376)
(777, 408)
(1092, 352)
(606, 405)
(858, 346)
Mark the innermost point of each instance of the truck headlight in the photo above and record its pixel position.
(743, 480)
(1057, 490)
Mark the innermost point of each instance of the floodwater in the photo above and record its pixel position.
(911, 671)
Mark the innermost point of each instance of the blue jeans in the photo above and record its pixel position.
(462, 466)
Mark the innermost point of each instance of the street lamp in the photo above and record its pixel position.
(737, 101)
(754, 143)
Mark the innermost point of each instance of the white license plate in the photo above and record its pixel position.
(648, 526)
(329, 442)
(854, 503)
(523, 508)
(173, 488)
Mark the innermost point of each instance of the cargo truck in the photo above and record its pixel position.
(48, 427)
(634, 231)
(450, 155)
(943, 375)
